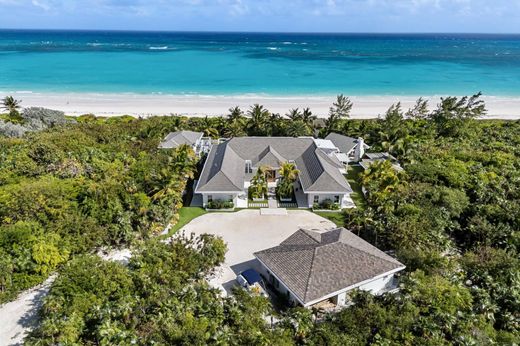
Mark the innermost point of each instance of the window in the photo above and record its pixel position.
(249, 167)
(210, 198)
(336, 199)
(316, 199)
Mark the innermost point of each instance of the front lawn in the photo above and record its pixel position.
(186, 214)
(353, 178)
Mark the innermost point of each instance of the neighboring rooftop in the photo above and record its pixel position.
(178, 138)
(224, 169)
(374, 157)
(313, 265)
(345, 144)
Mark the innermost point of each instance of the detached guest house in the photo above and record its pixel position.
(311, 267)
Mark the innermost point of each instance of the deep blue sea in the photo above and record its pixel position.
(259, 63)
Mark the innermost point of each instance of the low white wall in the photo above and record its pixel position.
(323, 197)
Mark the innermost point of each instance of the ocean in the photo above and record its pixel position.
(258, 63)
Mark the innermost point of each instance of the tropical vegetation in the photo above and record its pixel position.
(258, 187)
(451, 218)
(288, 175)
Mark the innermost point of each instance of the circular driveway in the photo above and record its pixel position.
(247, 231)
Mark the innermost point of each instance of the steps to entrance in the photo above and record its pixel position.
(273, 211)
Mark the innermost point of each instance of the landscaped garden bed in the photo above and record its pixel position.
(326, 206)
(220, 205)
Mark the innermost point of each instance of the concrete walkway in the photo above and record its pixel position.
(18, 317)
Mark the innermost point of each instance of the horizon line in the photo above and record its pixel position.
(266, 32)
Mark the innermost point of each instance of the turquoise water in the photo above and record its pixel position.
(274, 64)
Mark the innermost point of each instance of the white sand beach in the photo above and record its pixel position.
(103, 104)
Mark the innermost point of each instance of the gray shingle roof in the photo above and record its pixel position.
(344, 143)
(224, 170)
(220, 173)
(313, 265)
(175, 139)
(375, 157)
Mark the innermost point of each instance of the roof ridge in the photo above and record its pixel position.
(310, 274)
(368, 253)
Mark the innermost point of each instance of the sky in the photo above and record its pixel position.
(467, 16)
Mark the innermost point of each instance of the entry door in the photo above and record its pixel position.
(271, 176)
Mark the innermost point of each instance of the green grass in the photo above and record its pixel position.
(186, 214)
(335, 216)
(353, 178)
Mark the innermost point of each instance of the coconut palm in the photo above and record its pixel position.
(235, 129)
(11, 105)
(258, 119)
(308, 118)
(298, 128)
(235, 113)
(258, 187)
(294, 114)
(288, 174)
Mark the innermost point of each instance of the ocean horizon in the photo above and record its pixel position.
(255, 63)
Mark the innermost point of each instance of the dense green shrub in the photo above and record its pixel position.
(76, 187)
(220, 204)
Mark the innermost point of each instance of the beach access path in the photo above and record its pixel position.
(18, 317)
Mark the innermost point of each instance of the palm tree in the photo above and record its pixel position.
(11, 105)
(184, 161)
(288, 174)
(207, 126)
(235, 113)
(294, 114)
(259, 118)
(308, 118)
(235, 129)
(298, 128)
(258, 187)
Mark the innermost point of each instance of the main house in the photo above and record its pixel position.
(312, 267)
(230, 166)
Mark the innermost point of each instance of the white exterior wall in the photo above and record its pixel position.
(219, 196)
(343, 198)
(378, 285)
(282, 288)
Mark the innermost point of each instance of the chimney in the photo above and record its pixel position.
(360, 149)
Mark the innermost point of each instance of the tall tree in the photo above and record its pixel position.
(419, 110)
(308, 118)
(235, 113)
(258, 120)
(453, 114)
(298, 128)
(340, 110)
(294, 114)
(11, 105)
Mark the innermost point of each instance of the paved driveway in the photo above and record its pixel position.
(246, 232)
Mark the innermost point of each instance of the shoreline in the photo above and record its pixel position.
(144, 105)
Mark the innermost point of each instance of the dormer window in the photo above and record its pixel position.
(249, 167)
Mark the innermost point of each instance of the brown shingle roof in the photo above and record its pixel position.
(313, 265)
